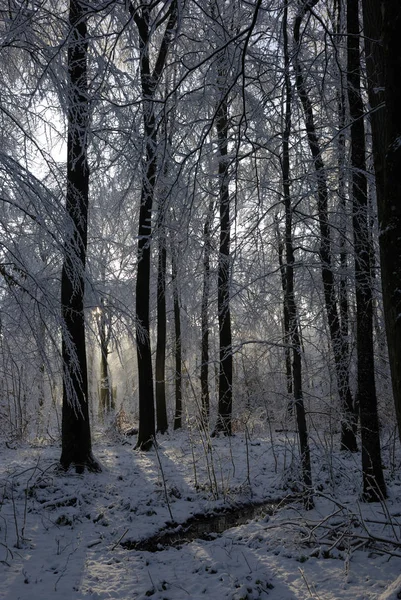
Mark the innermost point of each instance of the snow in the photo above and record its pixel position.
(60, 534)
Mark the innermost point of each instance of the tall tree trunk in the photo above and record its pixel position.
(76, 435)
(390, 213)
(161, 410)
(149, 83)
(342, 197)
(286, 317)
(348, 439)
(105, 391)
(383, 57)
(41, 351)
(204, 373)
(289, 283)
(373, 481)
(146, 431)
(106, 395)
(223, 286)
(177, 343)
(375, 65)
(168, 125)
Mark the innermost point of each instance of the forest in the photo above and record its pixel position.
(200, 298)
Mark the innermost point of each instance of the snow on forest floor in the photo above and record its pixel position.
(60, 534)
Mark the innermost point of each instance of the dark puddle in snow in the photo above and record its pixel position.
(206, 526)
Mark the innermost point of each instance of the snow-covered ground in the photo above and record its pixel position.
(60, 534)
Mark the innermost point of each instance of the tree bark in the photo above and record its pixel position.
(348, 439)
(289, 284)
(390, 208)
(342, 197)
(146, 431)
(106, 395)
(177, 344)
(76, 435)
(373, 481)
(204, 373)
(286, 318)
(223, 286)
(161, 410)
(149, 82)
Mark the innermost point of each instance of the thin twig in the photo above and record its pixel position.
(119, 539)
(164, 482)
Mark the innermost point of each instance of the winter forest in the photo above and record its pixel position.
(200, 299)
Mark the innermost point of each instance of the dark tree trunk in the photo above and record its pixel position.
(289, 284)
(286, 319)
(373, 481)
(161, 405)
(105, 391)
(383, 58)
(348, 439)
(390, 211)
(76, 435)
(177, 344)
(106, 395)
(149, 82)
(223, 286)
(342, 197)
(41, 345)
(204, 373)
(146, 430)
(161, 410)
(375, 64)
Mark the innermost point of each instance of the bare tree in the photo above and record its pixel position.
(204, 373)
(289, 295)
(348, 439)
(381, 27)
(390, 203)
(177, 341)
(150, 79)
(223, 289)
(76, 436)
(373, 480)
(103, 319)
(160, 367)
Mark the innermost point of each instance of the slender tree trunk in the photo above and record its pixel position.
(149, 83)
(289, 283)
(342, 196)
(41, 346)
(177, 344)
(373, 481)
(348, 439)
(161, 410)
(41, 402)
(76, 435)
(168, 125)
(204, 373)
(286, 318)
(106, 395)
(223, 290)
(105, 391)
